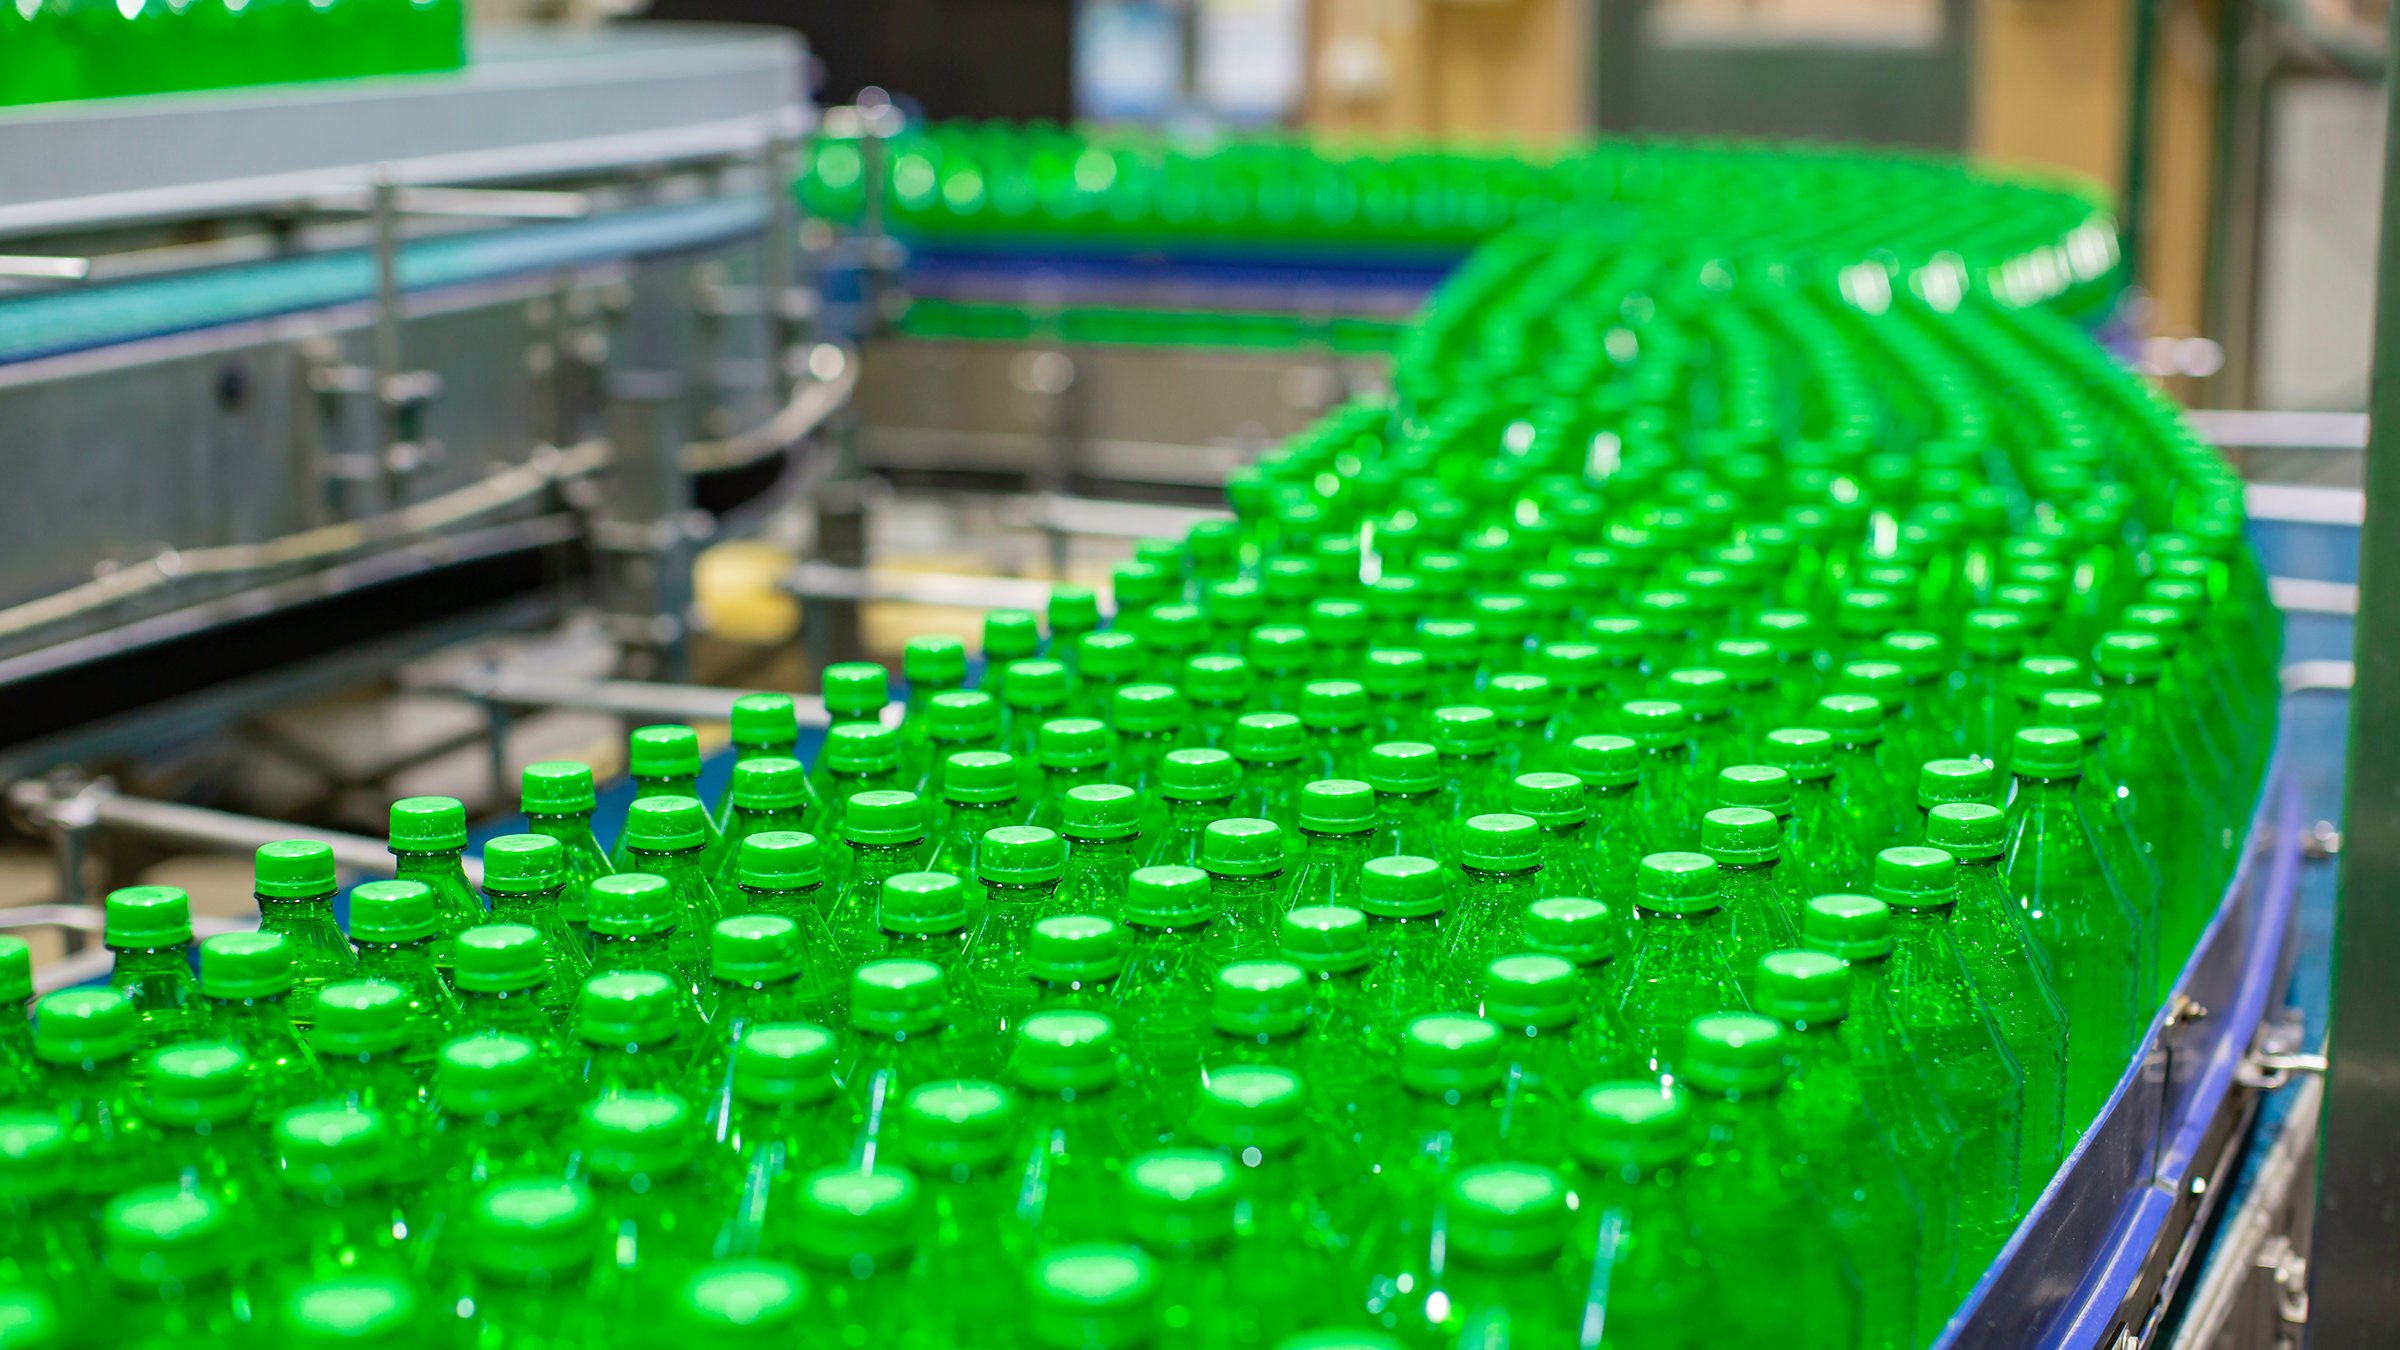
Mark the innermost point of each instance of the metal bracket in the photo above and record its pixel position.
(2275, 1055)
(2288, 1268)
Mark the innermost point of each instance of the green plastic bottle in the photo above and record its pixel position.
(932, 664)
(525, 878)
(295, 887)
(982, 789)
(1447, 1117)
(782, 876)
(754, 980)
(1676, 970)
(1021, 868)
(1334, 946)
(1707, 695)
(668, 837)
(1035, 691)
(1081, 1126)
(885, 836)
(1338, 834)
(1500, 867)
(174, 1272)
(1164, 995)
(1176, 633)
(1072, 752)
(1245, 860)
(1271, 748)
(1199, 787)
(769, 795)
(1259, 1012)
(147, 930)
(1609, 767)
(742, 1305)
(1179, 1205)
(495, 1119)
(2131, 862)
(1105, 663)
(957, 720)
(1339, 625)
(855, 693)
(1009, 636)
(247, 980)
(638, 1152)
(1399, 687)
(1288, 1247)
(761, 726)
(665, 762)
(1954, 780)
(1407, 779)
(784, 1121)
(1553, 1048)
(957, 1137)
(361, 1040)
(1870, 802)
(393, 925)
(1759, 907)
(630, 1029)
(1092, 1296)
(1578, 675)
(1453, 651)
(1631, 1145)
(1334, 713)
(1283, 657)
(20, 1070)
(1499, 1284)
(1074, 961)
(1589, 935)
(347, 1181)
(1410, 973)
(1149, 721)
(1665, 791)
(1521, 706)
(2098, 948)
(505, 986)
(521, 1272)
(1993, 642)
(1819, 836)
(45, 1241)
(1468, 741)
(558, 799)
(201, 1109)
(634, 927)
(1101, 823)
(1557, 804)
(900, 1036)
(429, 841)
(1220, 690)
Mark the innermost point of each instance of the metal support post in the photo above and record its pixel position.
(644, 527)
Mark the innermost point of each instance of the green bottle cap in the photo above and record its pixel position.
(34, 1158)
(1919, 655)
(1342, 1339)
(1805, 753)
(392, 912)
(1021, 855)
(1733, 1053)
(1621, 638)
(759, 722)
(1337, 806)
(1852, 927)
(1235, 604)
(631, 904)
(1010, 635)
(919, 904)
(1676, 883)
(1803, 988)
(1073, 743)
(1741, 836)
(1531, 989)
(1092, 1296)
(1500, 842)
(2047, 753)
(671, 751)
(1851, 719)
(200, 1082)
(557, 787)
(1169, 897)
(1277, 650)
(1916, 877)
(477, 1075)
(354, 1310)
(1866, 614)
(1789, 632)
(852, 689)
(1111, 657)
(1450, 644)
(429, 825)
(526, 864)
(1269, 738)
(1177, 1199)
(1075, 948)
(2037, 675)
(957, 1123)
(1520, 698)
(978, 778)
(652, 825)
(1954, 780)
(934, 660)
(1097, 812)
(2082, 711)
(1604, 761)
(1550, 800)
(522, 1228)
(1746, 662)
(1176, 628)
(2132, 655)
(1036, 684)
(1447, 1053)
(1396, 672)
(1065, 1050)
(858, 749)
(625, 1135)
(1967, 831)
(1994, 634)
(886, 819)
(16, 971)
(779, 860)
(1138, 583)
(785, 1064)
(1885, 680)
(1217, 678)
(1146, 709)
(1333, 705)
(164, 1235)
(1580, 930)
(1573, 668)
(141, 918)
(1326, 939)
(1704, 692)
(29, 1320)
(744, 1302)
(898, 997)
(1508, 1215)
(1632, 1125)
(1259, 998)
(1657, 724)
(335, 1147)
(964, 717)
(1402, 887)
(1251, 1106)
(296, 869)
(627, 1007)
(1466, 731)
(1763, 786)
(1404, 768)
(245, 965)
(360, 1017)
(1240, 846)
(754, 949)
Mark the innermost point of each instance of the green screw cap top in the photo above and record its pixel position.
(557, 787)
(633, 1134)
(885, 818)
(964, 717)
(16, 971)
(496, 958)
(754, 948)
(1581, 931)
(33, 1155)
(1245, 1106)
(1703, 692)
(1466, 730)
(1967, 831)
(1235, 604)
(2082, 711)
(245, 965)
(1450, 1052)
(1852, 927)
(1500, 842)
(979, 778)
(1550, 800)
(1605, 761)
(524, 864)
(1806, 753)
(1092, 1296)
(475, 1075)
(334, 1146)
(1520, 698)
(1198, 775)
(1531, 989)
(773, 783)
(296, 869)
(1676, 883)
(1036, 684)
(1851, 719)
(1333, 705)
(1099, 811)
(1919, 655)
(1075, 948)
(631, 904)
(1404, 768)
(1995, 634)
(1807, 988)
(1112, 656)
(1326, 939)
(1396, 672)
(1574, 668)
(1259, 998)
(1337, 806)
(1620, 637)
(1169, 897)
(429, 825)
(779, 860)
(898, 997)
(1508, 1214)
(627, 1007)
(784, 1064)
(1402, 887)
(1632, 1125)
(1175, 627)
(29, 1320)
(2047, 752)
(199, 1082)
(853, 689)
(2132, 655)
(1010, 634)
(933, 659)
(1065, 1050)
(1147, 708)
(652, 825)
(1762, 786)
(1240, 846)
(1915, 877)
(146, 917)
(1748, 662)
(1741, 836)
(1268, 738)
(164, 1234)
(360, 1017)
(1657, 724)
(1733, 1053)
(1021, 855)
(1180, 1198)
(2038, 674)
(957, 1123)
(528, 1227)
(917, 904)
(392, 912)
(1882, 679)
(1073, 743)
(671, 751)
(1450, 643)
(745, 1301)
(759, 722)
(1279, 649)
(1338, 623)
(1954, 780)
(354, 1310)
(1343, 1339)
(1218, 678)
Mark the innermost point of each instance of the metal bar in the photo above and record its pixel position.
(2320, 677)
(44, 268)
(487, 203)
(2252, 429)
(2297, 505)
(2303, 595)
(2354, 1284)
(828, 581)
(225, 832)
(640, 700)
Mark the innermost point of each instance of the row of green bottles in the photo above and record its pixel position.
(77, 49)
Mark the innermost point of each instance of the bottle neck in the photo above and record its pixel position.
(518, 906)
(668, 863)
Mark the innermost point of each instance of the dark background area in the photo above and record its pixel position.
(949, 58)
